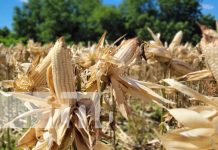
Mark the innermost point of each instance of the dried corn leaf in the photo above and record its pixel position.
(102, 146)
(181, 142)
(197, 75)
(190, 92)
(31, 112)
(40, 102)
(205, 111)
(101, 41)
(120, 97)
(28, 139)
(198, 132)
(136, 86)
(190, 118)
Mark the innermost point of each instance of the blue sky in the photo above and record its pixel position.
(7, 9)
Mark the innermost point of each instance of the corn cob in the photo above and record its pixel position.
(209, 46)
(180, 67)
(160, 53)
(176, 41)
(38, 75)
(127, 51)
(63, 73)
(50, 81)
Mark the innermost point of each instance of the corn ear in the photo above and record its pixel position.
(127, 51)
(38, 75)
(180, 67)
(209, 46)
(176, 41)
(160, 53)
(63, 73)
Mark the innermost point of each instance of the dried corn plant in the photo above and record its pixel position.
(177, 58)
(85, 87)
(68, 118)
(198, 124)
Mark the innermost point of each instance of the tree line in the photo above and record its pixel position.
(86, 20)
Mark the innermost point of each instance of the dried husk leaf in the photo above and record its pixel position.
(68, 138)
(156, 39)
(28, 139)
(58, 124)
(101, 146)
(120, 97)
(83, 139)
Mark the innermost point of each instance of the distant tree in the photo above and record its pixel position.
(179, 10)
(136, 13)
(83, 20)
(165, 17)
(58, 20)
(45, 20)
(110, 19)
(184, 14)
(4, 32)
(7, 37)
(83, 12)
(27, 19)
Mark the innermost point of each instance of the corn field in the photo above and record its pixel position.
(129, 95)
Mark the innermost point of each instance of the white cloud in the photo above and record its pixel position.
(24, 1)
(207, 6)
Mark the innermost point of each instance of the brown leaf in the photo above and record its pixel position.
(101, 146)
(197, 75)
(190, 92)
(28, 139)
(190, 118)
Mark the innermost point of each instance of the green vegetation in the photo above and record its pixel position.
(85, 20)
(8, 38)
